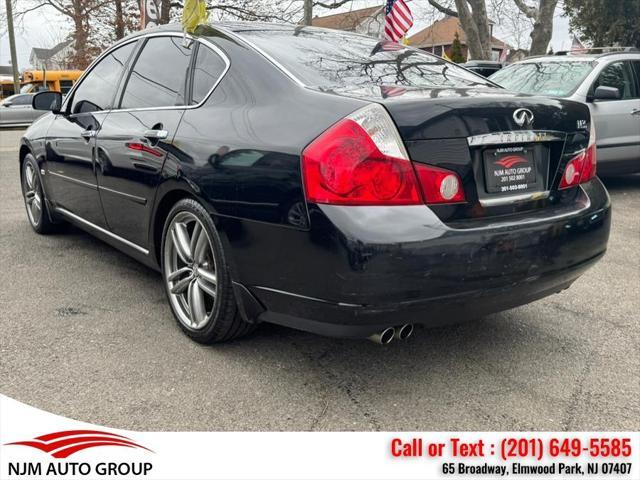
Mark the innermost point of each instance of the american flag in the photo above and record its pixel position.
(392, 91)
(397, 20)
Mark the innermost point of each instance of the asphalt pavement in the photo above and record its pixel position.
(85, 332)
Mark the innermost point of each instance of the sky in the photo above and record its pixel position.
(45, 27)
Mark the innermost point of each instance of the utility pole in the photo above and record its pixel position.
(308, 12)
(12, 46)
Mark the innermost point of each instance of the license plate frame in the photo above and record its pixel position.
(511, 170)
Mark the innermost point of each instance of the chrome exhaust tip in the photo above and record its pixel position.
(404, 332)
(384, 337)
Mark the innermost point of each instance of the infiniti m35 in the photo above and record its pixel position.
(317, 179)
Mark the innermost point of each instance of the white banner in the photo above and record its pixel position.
(36, 444)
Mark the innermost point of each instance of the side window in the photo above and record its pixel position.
(65, 86)
(208, 68)
(617, 75)
(159, 75)
(636, 67)
(98, 88)
(22, 100)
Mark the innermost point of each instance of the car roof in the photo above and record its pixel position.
(237, 27)
(226, 25)
(583, 57)
(482, 63)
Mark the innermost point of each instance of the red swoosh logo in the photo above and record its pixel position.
(66, 443)
(510, 161)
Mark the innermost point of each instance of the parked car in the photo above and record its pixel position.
(16, 111)
(318, 179)
(608, 82)
(485, 68)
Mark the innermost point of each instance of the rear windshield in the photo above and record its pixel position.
(331, 59)
(554, 79)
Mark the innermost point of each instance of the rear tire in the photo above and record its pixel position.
(196, 276)
(33, 194)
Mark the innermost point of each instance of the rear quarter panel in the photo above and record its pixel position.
(239, 154)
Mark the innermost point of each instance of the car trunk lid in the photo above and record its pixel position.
(508, 149)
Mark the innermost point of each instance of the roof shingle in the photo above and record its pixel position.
(347, 21)
(442, 32)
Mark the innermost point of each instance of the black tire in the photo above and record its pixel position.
(33, 194)
(225, 322)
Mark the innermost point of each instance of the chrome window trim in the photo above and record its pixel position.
(77, 218)
(259, 50)
(515, 136)
(202, 40)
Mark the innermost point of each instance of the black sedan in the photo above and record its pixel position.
(318, 179)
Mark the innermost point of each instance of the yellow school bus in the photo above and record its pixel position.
(54, 80)
(6, 86)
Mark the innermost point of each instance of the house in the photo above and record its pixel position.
(368, 21)
(55, 58)
(438, 39)
(517, 55)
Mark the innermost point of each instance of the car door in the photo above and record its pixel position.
(635, 112)
(135, 137)
(16, 110)
(617, 126)
(70, 144)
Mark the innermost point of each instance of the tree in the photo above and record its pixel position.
(308, 5)
(456, 50)
(475, 23)
(85, 17)
(605, 22)
(542, 16)
(262, 10)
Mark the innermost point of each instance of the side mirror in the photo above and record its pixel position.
(606, 93)
(7, 104)
(51, 101)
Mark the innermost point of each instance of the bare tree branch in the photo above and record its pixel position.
(331, 5)
(531, 12)
(443, 9)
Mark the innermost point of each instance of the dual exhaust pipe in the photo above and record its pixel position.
(387, 335)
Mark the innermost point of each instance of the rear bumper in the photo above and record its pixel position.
(361, 269)
(344, 320)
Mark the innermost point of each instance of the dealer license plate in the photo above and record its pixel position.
(510, 170)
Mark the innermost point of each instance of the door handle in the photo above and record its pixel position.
(635, 111)
(156, 134)
(88, 133)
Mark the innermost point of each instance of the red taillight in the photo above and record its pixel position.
(439, 185)
(589, 167)
(360, 161)
(582, 167)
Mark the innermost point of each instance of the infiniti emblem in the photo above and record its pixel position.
(523, 117)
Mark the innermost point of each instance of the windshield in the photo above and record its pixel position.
(553, 79)
(332, 59)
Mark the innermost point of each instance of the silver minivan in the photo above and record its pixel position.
(608, 82)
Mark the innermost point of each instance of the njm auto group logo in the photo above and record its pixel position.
(64, 444)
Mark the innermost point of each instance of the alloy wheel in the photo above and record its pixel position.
(32, 195)
(190, 271)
